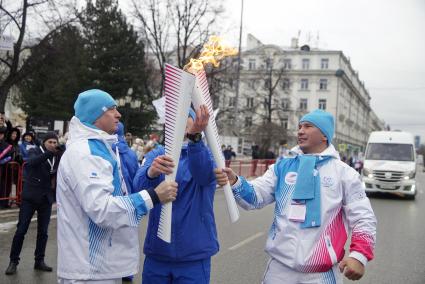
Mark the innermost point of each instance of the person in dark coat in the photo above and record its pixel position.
(37, 195)
(13, 136)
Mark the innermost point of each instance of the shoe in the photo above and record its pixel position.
(11, 269)
(42, 266)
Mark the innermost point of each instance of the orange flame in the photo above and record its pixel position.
(212, 53)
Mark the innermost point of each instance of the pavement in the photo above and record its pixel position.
(399, 256)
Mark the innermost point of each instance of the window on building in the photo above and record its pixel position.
(304, 84)
(287, 64)
(306, 64)
(248, 121)
(322, 104)
(286, 83)
(324, 63)
(323, 85)
(267, 84)
(249, 102)
(285, 103)
(251, 64)
(268, 62)
(231, 83)
(303, 104)
(284, 123)
(266, 103)
(216, 102)
(232, 101)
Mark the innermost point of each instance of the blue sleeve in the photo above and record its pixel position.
(141, 179)
(201, 163)
(131, 165)
(24, 152)
(245, 191)
(139, 204)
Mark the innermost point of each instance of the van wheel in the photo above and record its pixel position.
(410, 197)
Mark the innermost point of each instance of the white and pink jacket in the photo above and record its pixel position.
(344, 209)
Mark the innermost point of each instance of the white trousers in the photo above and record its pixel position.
(103, 281)
(277, 273)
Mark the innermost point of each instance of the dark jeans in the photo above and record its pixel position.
(44, 210)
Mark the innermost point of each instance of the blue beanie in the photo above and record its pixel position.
(322, 120)
(91, 104)
(192, 114)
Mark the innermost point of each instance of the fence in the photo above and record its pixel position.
(249, 168)
(11, 183)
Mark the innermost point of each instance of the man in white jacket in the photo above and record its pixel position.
(319, 200)
(97, 218)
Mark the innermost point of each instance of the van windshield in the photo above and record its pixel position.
(390, 152)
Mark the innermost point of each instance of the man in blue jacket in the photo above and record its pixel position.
(128, 159)
(129, 165)
(187, 259)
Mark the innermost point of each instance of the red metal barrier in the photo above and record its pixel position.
(250, 168)
(11, 174)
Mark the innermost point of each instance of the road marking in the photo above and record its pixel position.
(246, 241)
(5, 227)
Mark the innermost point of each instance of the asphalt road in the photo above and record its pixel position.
(399, 257)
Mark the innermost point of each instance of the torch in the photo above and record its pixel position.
(213, 51)
(177, 82)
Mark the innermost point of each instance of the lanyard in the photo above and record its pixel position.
(123, 185)
(51, 163)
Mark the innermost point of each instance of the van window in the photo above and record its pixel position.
(390, 152)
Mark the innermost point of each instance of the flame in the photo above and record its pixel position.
(212, 53)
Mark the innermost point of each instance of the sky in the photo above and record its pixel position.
(384, 39)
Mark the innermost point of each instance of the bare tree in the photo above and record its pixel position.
(176, 28)
(265, 103)
(15, 18)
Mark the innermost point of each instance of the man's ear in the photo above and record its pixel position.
(324, 139)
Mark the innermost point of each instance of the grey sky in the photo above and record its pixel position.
(385, 40)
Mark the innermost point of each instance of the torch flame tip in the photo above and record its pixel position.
(212, 52)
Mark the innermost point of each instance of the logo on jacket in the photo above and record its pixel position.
(291, 178)
(93, 175)
(327, 182)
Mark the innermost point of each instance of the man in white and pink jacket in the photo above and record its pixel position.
(319, 200)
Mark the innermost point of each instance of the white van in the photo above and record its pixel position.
(390, 163)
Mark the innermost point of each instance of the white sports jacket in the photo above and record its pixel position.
(97, 221)
(344, 209)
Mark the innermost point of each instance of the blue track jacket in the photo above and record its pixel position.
(193, 231)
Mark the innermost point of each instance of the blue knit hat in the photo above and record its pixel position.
(91, 104)
(322, 120)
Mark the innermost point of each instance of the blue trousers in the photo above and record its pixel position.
(187, 272)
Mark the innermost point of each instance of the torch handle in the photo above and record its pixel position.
(200, 96)
(219, 160)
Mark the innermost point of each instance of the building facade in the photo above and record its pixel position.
(278, 86)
